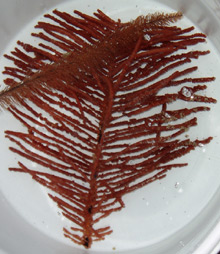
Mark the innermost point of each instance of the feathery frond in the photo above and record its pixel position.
(97, 117)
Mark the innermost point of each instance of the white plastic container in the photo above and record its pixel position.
(185, 205)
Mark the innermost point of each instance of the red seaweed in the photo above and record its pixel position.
(98, 120)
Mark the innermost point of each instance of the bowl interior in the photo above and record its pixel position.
(171, 216)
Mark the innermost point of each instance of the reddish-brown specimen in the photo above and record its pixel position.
(98, 117)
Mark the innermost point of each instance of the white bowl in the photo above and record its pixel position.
(184, 206)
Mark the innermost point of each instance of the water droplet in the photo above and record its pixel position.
(147, 203)
(170, 218)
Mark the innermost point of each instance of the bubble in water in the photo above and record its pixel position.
(182, 243)
(167, 115)
(177, 184)
(178, 187)
(201, 144)
(187, 92)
